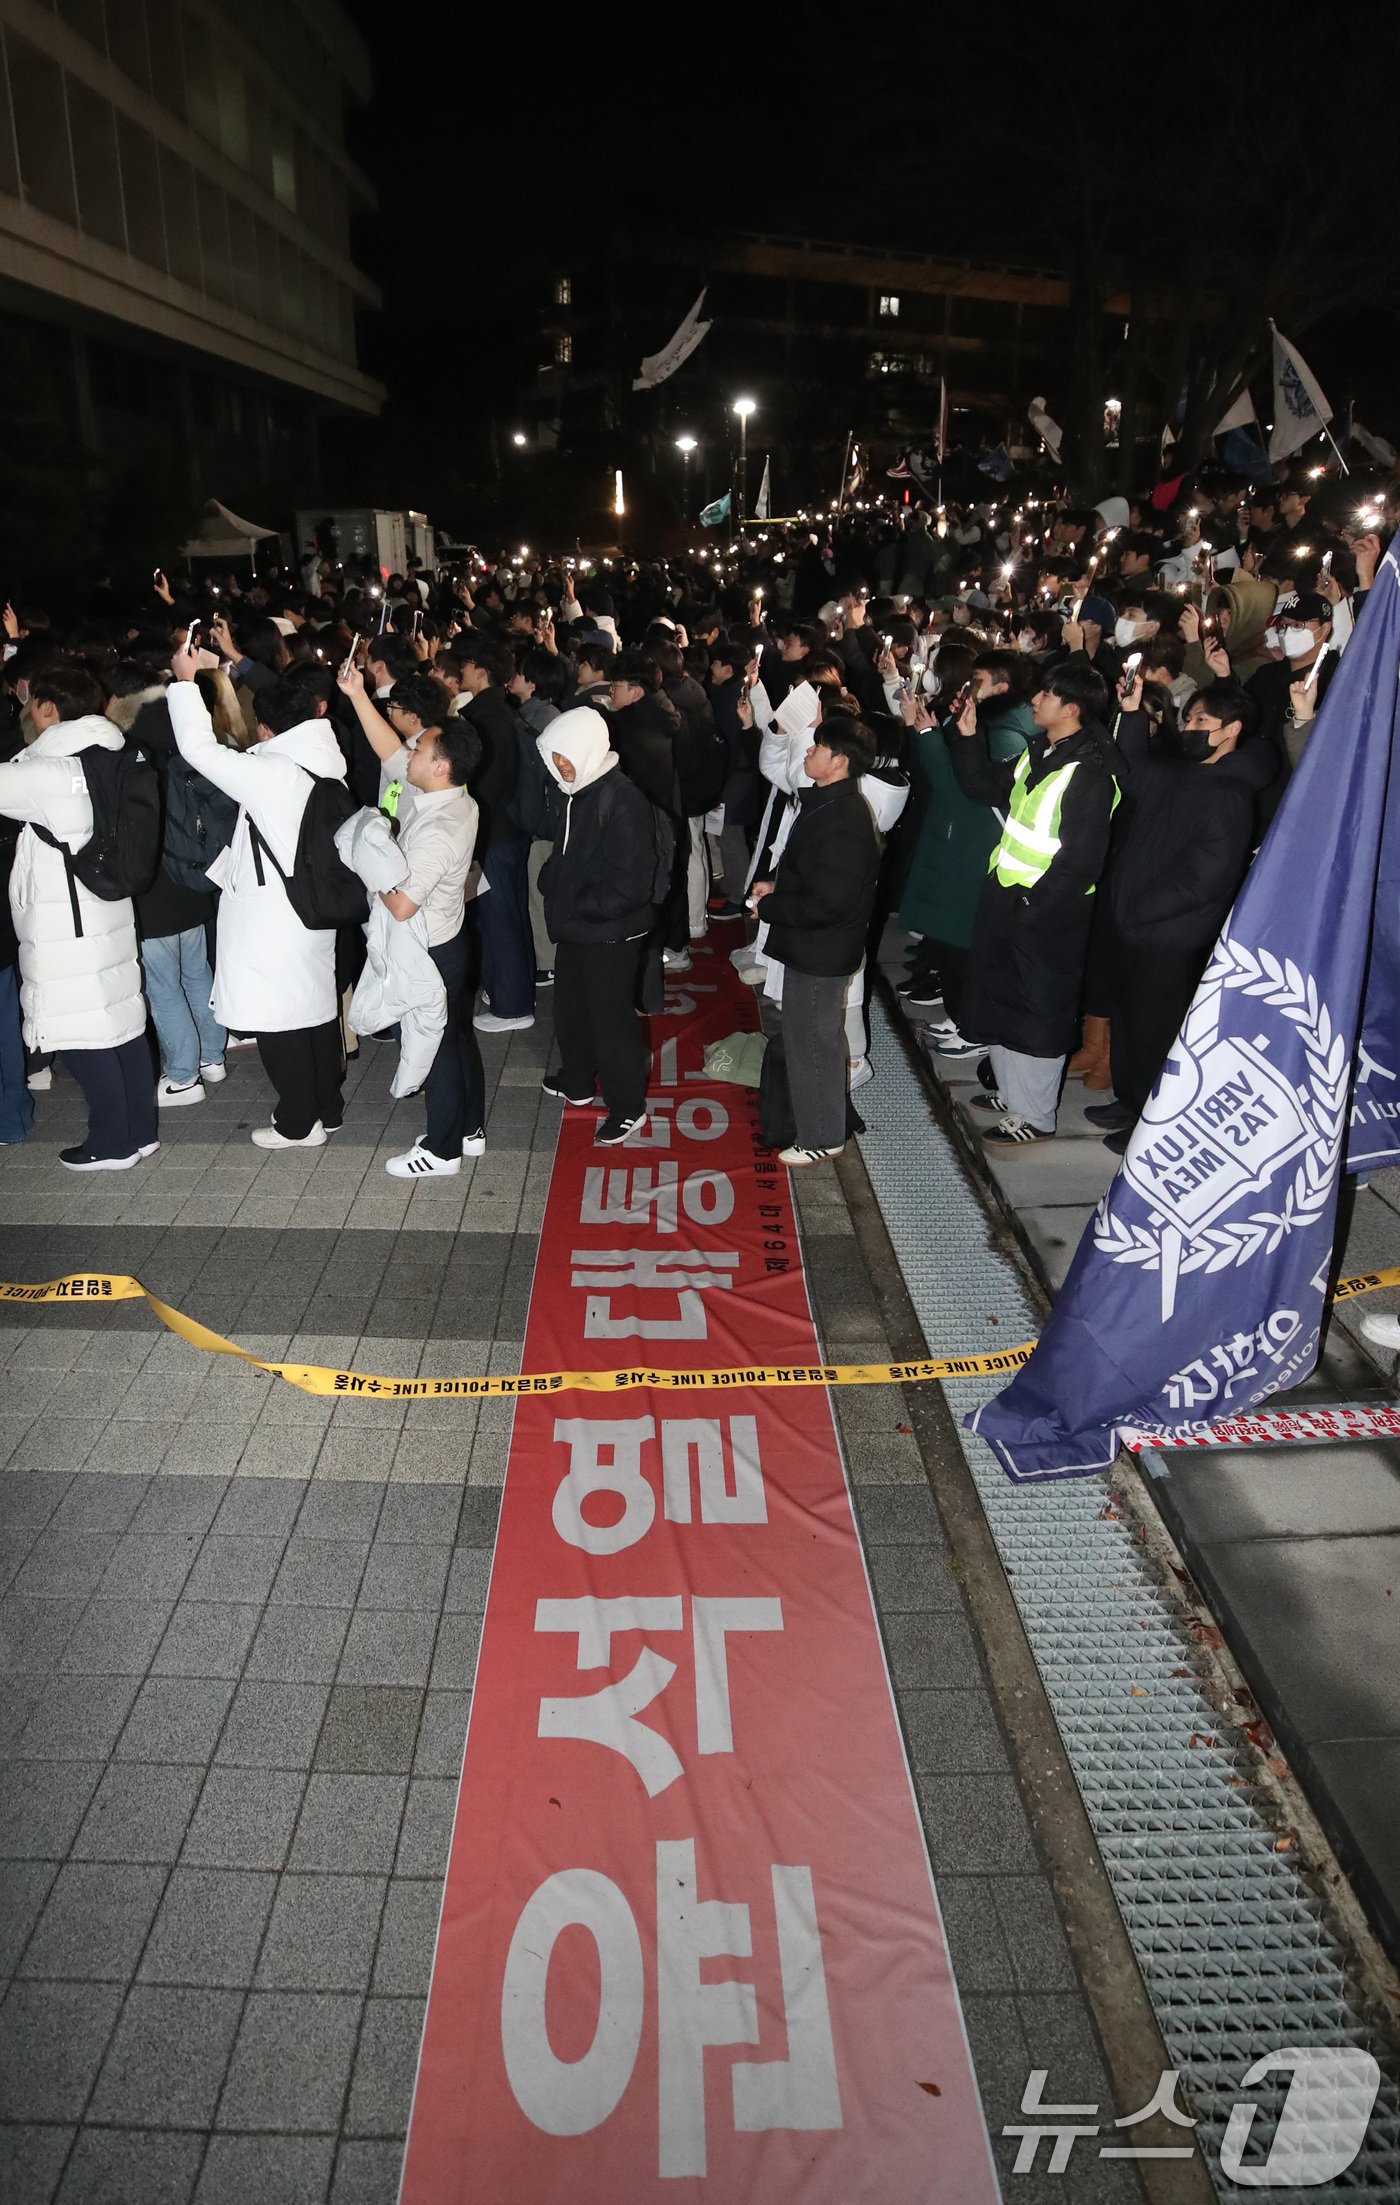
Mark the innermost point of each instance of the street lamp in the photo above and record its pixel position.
(744, 407)
(685, 445)
(519, 437)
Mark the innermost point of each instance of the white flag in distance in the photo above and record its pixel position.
(658, 365)
(1300, 407)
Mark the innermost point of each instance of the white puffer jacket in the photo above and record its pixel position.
(76, 991)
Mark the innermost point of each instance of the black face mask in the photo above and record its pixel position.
(1196, 744)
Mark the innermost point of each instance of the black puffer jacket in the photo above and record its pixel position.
(491, 716)
(644, 735)
(824, 889)
(1190, 831)
(609, 847)
(702, 756)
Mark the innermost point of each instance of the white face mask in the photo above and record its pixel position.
(1025, 641)
(1129, 631)
(1297, 642)
(1271, 639)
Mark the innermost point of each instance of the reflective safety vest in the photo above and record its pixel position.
(1030, 835)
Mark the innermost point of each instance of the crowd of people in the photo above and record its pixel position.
(317, 807)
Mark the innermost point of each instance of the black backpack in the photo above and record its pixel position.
(321, 888)
(702, 761)
(663, 844)
(199, 823)
(122, 854)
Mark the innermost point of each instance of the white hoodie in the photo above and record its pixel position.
(581, 736)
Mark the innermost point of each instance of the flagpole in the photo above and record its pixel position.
(1336, 448)
(845, 470)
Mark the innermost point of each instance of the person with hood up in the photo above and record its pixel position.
(274, 978)
(1242, 611)
(1031, 933)
(80, 977)
(601, 884)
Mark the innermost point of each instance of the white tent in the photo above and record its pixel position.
(222, 535)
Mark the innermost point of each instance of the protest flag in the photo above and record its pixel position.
(1301, 410)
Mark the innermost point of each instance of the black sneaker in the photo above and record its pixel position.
(82, 1159)
(553, 1085)
(1109, 1117)
(544, 979)
(614, 1131)
(922, 994)
(727, 910)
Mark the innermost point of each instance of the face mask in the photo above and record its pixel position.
(1297, 642)
(1271, 639)
(1195, 744)
(1129, 631)
(1025, 641)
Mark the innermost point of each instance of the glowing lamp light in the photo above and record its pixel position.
(519, 437)
(619, 504)
(745, 406)
(686, 444)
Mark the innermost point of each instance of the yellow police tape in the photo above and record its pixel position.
(117, 1286)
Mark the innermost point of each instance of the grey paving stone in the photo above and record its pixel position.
(1035, 1936)
(414, 1512)
(320, 1573)
(266, 2170)
(245, 1818)
(1058, 2031)
(19, 1696)
(260, 1508)
(273, 1724)
(454, 1657)
(427, 1827)
(388, 1646)
(140, 1813)
(367, 2173)
(207, 1638)
(175, 1719)
(442, 1734)
(31, 1496)
(322, 1934)
(976, 1941)
(291, 2062)
(66, 1565)
(952, 1731)
(407, 1933)
(382, 2090)
(976, 1829)
(42, 1805)
(24, 1886)
(931, 1650)
(299, 1645)
(349, 1824)
(909, 1578)
(1000, 2057)
(400, 1575)
(892, 1514)
(209, 1927)
(52, 2038)
(130, 2167)
(30, 2160)
(343, 1509)
(76, 1719)
(466, 1586)
(96, 1502)
(370, 1728)
(35, 1631)
(59, 1442)
(95, 1922)
(175, 1504)
(167, 2057)
(233, 1566)
(150, 1565)
(116, 1638)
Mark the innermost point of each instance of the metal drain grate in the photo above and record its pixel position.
(1237, 1958)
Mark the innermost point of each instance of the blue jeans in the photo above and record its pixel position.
(503, 916)
(16, 1102)
(178, 987)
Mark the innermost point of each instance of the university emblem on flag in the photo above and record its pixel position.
(1230, 1121)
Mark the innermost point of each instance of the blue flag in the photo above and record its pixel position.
(712, 515)
(1199, 1286)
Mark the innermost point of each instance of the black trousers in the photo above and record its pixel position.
(600, 1035)
(119, 1088)
(1152, 991)
(949, 961)
(306, 1067)
(455, 1088)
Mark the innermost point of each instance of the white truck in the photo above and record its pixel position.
(388, 539)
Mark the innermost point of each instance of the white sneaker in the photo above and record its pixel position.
(794, 1156)
(171, 1097)
(862, 1073)
(474, 1144)
(267, 1136)
(752, 976)
(148, 1149)
(676, 960)
(211, 1074)
(487, 1022)
(40, 1079)
(420, 1163)
(241, 1041)
(1383, 1332)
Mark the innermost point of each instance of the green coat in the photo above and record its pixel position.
(957, 837)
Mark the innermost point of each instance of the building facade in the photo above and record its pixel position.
(176, 275)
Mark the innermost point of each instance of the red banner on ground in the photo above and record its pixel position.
(689, 1933)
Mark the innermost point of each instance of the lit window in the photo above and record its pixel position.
(563, 348)
(563, 291)
(889, 306)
